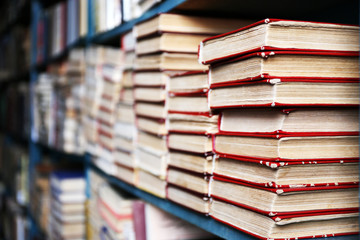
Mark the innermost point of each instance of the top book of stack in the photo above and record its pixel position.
(277, 34)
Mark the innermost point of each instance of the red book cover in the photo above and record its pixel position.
(272, 114)
(139, 220)
(260, 48)
(293, 238)
(271, 78)
(287, 190)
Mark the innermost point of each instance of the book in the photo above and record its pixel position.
(194, 143)
(124, 158)
(188, 199)
(152, 110)
(150, 125)
(189, 180)
(199, 163)
(193, 123)
(279, 33)
(149, 94)
(267, 228)
(67, 181)
(152, 143)
(287, 66)
(125, 113)
(169, 42)
(194, 81)
(124, 144)
(151, 162)
(161, 225)
(153, 78)
(67, 231)
(177, 23)
(289, 122)
(168, 61)
(151, 183)
(287, 174)
(289, 148)
(282, 201)
(266, 93)
(115, 208)
(67, 208)
(188, 103)
(125, 173)
(69, 197)
(128, 42)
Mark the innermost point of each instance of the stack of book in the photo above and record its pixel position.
(106, 117)
(288, 157)
(91, 101)
(67, 217)
(125, 127)
(110, 211)
(191, 126)
(166, 45)
(93, 216)
(69, 91)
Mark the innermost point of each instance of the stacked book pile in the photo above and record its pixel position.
(58, 105)
(191, 126)
(68, 103)
(91, 101)
(67, 217)
(93, 216)
(114, 215)
(111, 76)
(103, 84)
(125, 126)
(110, 212)
(287, 147)
(166, 45)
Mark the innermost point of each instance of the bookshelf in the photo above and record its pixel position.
(332, 11)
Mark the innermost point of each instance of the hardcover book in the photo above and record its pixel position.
(284, 201)
(176, 23)
(278, 33)
(287, 66)
(289, 122)
(170, 42)
(268, 228)
(287, 173)
(269, 92)
(316, 148)
(192, 200)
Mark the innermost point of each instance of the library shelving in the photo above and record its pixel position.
(346, 11)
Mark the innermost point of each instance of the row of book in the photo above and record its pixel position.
(263, 135)
(63, 212)
(117, 215)
(60, 26)
(67, 21)
(57, 100)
